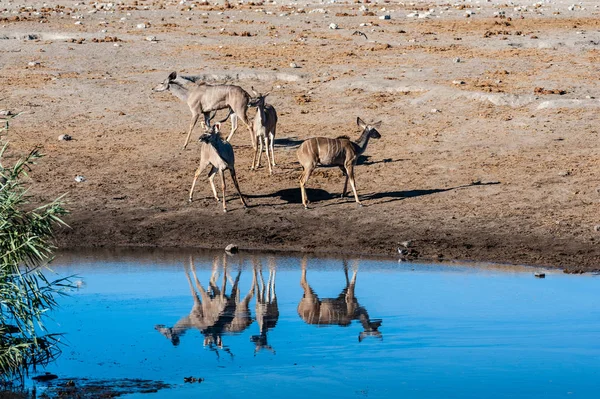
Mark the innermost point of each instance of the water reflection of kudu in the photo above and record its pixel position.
(267, 310)
(214, 312)
(339, 311)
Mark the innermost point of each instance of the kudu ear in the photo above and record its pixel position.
(361, 123)
(254, 91)
(266, 94)
(218, 126)
(376, 125)
(173, 76)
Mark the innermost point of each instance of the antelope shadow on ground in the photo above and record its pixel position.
(399, 195)
(292, 195)
(288, 142)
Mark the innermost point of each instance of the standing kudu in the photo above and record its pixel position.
(203, 98)
(267, 309)
(219, 154)
(336, 311)
(265, 127)
(340, 152)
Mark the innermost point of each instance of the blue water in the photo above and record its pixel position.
(447, 331)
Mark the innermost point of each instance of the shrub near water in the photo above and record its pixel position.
(26, 295)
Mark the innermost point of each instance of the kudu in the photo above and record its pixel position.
(214, 312)
(340, 152)
(267, 310)
(265, 127)
(336, 311)
(219, 154)
(203, 98)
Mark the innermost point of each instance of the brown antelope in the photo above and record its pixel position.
(219, 154)
(214, 312)
(265, 126)
(203, 98)
(339, 311)
(267, 310)
(340, 152)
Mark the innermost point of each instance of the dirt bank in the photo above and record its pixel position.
(489, 147)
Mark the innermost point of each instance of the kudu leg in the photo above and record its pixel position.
(267, 151)
(211, 178)
(259, 149)
(272, 140)
(237, 186)
(303, 180)
(198, 171)
(222, 173)
(254, 165)
(345, 181)
(192, 125)
(350, 171)
(234, 125)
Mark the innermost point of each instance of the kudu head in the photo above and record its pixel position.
(370, 330)
(211, 133)
(260, 342)
(169, 333)
(165, 83)
(371, 129)
(258, 100)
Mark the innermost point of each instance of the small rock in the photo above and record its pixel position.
(457, 60)
(45, 377)
(597, 227)
(34, 63)
(65, 137)
(385, 17)
(540, 275)
(79, 179)
(564, 173)
(435, 111)
(294, 65)
(458, 82)
(141, 26)
(231, 248)
(151, 38)
(333, 26)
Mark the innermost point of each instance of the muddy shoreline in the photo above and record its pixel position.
(459, 246)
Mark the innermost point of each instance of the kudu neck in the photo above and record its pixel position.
(362, 141)
(261, 111)
(179, 91)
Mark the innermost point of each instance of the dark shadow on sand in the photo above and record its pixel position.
(292, 195)
(399, 195)
(288, 142)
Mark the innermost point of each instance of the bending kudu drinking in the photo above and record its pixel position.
(203, 98)
(214, 312)
(219, 154)
(340, 152)
(265, 126)
(336, 311)
(267, 310)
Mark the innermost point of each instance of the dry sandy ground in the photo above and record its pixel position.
(489, 147)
